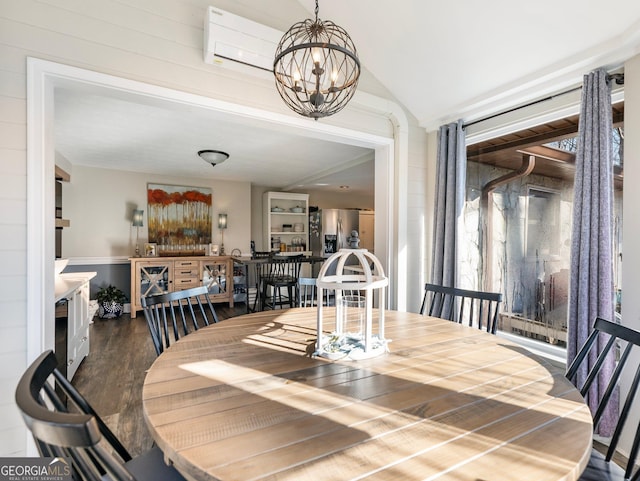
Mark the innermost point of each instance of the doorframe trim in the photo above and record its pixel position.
(43, 76)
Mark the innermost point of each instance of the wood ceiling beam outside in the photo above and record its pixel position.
(538, 138)
(520, 144)
(549, 153)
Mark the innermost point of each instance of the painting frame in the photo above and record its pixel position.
(179, 216)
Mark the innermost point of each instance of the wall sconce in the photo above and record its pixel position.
(137, 223)
(222, 225)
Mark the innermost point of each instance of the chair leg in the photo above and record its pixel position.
(256, 299)
(263, 298)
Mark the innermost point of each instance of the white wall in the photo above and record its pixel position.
(154, 41)
(420, 205)
(631, 223)
(99, 203)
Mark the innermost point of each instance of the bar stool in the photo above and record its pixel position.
(278, 274)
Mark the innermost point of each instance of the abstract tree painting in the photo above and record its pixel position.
(179, 215)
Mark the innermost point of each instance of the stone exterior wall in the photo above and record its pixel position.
(529, 254)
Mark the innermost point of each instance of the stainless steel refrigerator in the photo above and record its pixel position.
(329, 230)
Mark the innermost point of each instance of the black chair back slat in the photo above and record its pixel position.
(613, 382)
(616, 334)
(624, 414)
(74, 431)
(597, 366)
(572, 370)
(59, 431)
(479, 307)
(81, 403)
(174, 312)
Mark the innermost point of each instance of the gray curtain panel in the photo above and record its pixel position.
(449, 201)
(591, 285)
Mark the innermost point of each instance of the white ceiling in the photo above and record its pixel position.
(98, 130)
(447, 60)
(441, 60)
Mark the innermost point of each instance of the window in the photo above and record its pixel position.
(518, 234)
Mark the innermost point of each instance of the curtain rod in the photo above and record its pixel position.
(618, 77)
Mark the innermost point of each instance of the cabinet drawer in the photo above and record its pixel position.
(186, 264)
(77, 350)
(186, 283)
(186, 271)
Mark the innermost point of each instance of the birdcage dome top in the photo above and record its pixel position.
(355, 269)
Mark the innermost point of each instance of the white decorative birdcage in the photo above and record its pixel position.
(356, 282)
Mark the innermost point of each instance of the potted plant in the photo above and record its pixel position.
(110, 302)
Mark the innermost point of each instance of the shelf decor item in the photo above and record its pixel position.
(358, 284)
(150, 249)
(110, 302)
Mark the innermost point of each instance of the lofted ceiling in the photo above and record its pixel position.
(440, 60)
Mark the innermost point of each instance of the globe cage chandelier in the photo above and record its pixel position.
(316, 68)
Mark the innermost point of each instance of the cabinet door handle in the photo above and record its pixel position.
(70, 362)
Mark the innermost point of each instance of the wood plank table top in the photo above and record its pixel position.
(244, 400)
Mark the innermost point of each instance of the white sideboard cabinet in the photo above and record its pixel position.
(158, 275)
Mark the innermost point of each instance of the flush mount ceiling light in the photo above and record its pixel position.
(316, 68)
(213, 156)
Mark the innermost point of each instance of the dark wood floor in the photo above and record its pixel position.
(111, 376)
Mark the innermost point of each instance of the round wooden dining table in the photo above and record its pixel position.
(245, 399)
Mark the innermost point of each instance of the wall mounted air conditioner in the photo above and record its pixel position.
(236, 42)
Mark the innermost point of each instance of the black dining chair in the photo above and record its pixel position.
(73, 430)
(477, 308)
(278, 274)
(602, 468)
(308, 293)
(264, 256)
(176, 314)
